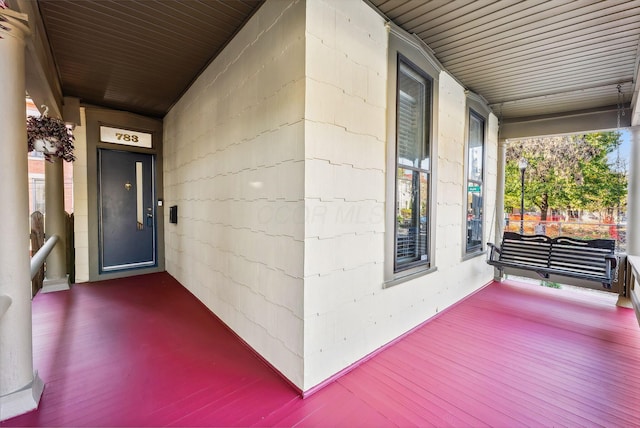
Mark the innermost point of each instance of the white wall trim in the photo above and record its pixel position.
(416, 43)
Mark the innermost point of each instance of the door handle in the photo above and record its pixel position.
(149, 218)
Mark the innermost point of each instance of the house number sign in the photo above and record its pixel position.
(125, 136)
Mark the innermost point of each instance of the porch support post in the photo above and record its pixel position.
(56, 277)
(502, 160)
(20, 388)
(633, 195)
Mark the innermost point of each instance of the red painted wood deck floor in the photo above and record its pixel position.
(144, 352)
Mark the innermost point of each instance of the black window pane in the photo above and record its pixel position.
(413, 90)
(475, 166)
(476, 143)
(412, 176)
(411, 216)
(474, 216)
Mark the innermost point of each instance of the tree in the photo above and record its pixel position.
(565, 172)
(604, 186)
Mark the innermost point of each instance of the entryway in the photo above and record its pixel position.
(127, 212)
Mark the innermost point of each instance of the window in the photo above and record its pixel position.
(37, 195)
(412, 132)
(413, 100)
(475, 182)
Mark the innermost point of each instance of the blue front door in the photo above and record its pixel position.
(127, 210)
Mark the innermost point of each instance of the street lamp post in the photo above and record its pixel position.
(522, 164)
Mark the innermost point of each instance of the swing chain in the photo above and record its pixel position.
(620, 103)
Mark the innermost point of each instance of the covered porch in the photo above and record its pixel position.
(274, 132)
(143, 351)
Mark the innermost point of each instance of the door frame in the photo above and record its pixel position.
(154, 246)
(95, 118)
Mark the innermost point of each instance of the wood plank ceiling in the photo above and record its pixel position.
(527, 58)
(138, 56)
(533, 57)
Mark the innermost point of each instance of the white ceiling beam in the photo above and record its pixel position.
(42, 83)
(561, 124)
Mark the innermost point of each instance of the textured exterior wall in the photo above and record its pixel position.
(348, 313)
(456, 277)
(345, 119)
(234, 166)
(276, 158)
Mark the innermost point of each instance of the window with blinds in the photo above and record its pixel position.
(413, 167)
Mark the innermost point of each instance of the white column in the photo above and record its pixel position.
(20, 388)
(633, 195)
(633, 207)
(56, 277)
(502, 161)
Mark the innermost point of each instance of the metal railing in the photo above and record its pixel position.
(36, 262)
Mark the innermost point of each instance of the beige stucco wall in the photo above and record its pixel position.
(234, 166)
(276, 158)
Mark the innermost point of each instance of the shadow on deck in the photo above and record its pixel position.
(143, 351)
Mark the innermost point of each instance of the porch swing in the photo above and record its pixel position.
(569, 260)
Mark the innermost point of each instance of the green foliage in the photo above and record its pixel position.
(566, 172)
(604, 187)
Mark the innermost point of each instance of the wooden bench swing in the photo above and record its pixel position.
(592, 260)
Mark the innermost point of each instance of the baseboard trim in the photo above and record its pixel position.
(58, 284)
(23, 400)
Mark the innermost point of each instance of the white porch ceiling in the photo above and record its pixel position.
(534, 57)
(527, 58)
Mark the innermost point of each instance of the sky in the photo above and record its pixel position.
(625, 147)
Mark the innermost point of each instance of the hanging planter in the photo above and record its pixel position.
(50, 136)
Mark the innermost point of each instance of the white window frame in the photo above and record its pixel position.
(413, 52)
